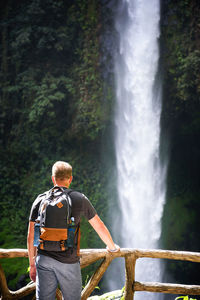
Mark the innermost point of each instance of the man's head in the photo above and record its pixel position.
(62, 173)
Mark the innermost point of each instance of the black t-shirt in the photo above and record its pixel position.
(81, 206)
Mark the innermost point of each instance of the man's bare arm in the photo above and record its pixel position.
(103, 233)
(31, 250)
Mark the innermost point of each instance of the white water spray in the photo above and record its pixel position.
(141, 188)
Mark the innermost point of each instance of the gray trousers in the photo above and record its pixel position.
(51, 273)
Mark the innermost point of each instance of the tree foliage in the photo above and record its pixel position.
(52, 107)
(180, 57)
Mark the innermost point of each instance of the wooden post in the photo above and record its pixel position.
(168, 288)
(96, 277)
(3, 284)
(130, 261)
(90, 256)
(58, 294)
(7, 294)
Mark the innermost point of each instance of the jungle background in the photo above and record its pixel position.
(57, 102)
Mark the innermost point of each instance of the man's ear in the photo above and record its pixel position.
(53, 179)
(71, 178)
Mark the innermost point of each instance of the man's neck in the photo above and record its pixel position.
(62, 184)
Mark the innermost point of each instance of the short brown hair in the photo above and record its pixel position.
(61, 170)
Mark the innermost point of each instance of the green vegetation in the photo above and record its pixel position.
(52, 107)
(185, 298)
(180, 59)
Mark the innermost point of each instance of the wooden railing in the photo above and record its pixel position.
(92, 255)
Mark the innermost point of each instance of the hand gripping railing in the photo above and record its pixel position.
(89, 256)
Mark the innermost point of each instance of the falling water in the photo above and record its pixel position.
(141, 177)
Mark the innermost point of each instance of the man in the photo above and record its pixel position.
(50, 268)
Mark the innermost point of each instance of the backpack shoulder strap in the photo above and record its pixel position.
(42, 198)
(78, 230)
(69, 202)
(68, 192)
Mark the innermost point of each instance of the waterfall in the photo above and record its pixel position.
(140, 174)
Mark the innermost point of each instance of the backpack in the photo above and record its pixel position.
(55, 229)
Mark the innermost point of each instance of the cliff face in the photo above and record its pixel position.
(180, 61)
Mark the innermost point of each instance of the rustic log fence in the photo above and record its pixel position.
(89, 256)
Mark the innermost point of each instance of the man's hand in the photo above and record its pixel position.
(116, 249)
(32, 272)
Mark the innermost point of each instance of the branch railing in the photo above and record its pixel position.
(89, 256)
